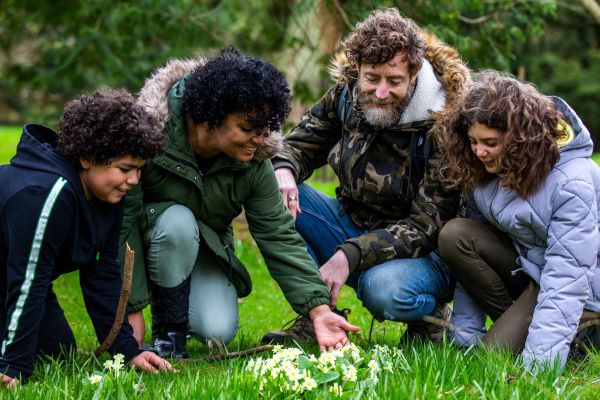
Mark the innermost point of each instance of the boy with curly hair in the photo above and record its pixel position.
(60, 211)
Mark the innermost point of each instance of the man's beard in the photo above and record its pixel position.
(379, 117)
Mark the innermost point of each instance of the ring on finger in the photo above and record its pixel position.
(292, 198)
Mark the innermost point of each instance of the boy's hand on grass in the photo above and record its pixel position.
(330, 328)
(8, 382)
(150, 362)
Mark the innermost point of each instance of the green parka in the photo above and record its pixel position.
(218, 196)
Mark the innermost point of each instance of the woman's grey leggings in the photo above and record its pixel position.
(173, 254)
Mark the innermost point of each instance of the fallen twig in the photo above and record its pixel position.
(233, 354)
(123, 298)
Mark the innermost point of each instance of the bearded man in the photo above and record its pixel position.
(379, 235)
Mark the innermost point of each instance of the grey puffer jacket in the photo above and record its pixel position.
(555, 232)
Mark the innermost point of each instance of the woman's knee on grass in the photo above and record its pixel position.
(207, 328)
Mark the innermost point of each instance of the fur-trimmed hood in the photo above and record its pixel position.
(449, 69)
(154, 97)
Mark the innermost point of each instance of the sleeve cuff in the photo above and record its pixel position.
(283, 163)
(317, 301)
(353, 255)
(14, 373)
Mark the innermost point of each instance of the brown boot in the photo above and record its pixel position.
(432, 329)
(301, 331)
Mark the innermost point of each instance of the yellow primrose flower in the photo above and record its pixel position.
(277, 348)
(349, 373)
(388, 367)
(373, 366)
(119, 358)
(294, 374)
(310, 384)
(286, 366)
(269, 364)
(327, 358)
(95, 379)
(336, 389)
(138, 387)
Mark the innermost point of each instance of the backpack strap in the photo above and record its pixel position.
(420, 149)
(344, 104)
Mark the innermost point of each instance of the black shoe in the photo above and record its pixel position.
(171, 344)
(148, 347)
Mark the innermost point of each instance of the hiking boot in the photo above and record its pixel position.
(301, 331)
(587, 336)
(169, 306)
(432, 329)
(171, 344)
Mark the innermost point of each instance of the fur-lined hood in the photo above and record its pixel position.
(445, 61)
(154, 97)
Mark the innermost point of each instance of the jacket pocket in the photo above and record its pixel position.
(222, 247)
(153, 210)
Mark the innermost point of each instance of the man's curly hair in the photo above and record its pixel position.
(105, 125)
(382, 35)
(529, 124)
(233, 82)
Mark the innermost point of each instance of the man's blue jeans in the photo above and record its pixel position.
(402, 290)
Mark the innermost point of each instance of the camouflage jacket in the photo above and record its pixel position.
(403, 213)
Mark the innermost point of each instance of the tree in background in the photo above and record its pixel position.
(53, 51)
(566, 60)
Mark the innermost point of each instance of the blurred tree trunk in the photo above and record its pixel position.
(593, 8)
(317, 28)
(333, 22)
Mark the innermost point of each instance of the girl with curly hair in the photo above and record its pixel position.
(528, 255)
(60, 210)
(221, 117)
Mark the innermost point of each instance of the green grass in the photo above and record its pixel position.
(9, 136)
(430, 372)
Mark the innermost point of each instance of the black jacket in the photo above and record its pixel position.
(49, 228)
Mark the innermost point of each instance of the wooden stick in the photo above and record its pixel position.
(122, 306)
(234, 354)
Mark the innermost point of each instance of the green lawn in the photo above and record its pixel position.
(425, 372)
(9, 136)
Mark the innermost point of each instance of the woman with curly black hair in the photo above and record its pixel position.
(60, 211)
(528, 256)
(221, 117)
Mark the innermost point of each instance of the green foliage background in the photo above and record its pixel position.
(51, 52)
